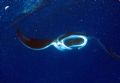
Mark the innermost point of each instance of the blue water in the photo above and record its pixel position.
(91, 64)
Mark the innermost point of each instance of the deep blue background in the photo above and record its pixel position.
(98, 18)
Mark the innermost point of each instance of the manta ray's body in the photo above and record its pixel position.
(64, 42)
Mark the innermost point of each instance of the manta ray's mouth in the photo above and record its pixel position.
(73, 41)
(70, 42)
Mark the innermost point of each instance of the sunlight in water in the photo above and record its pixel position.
(31, 5)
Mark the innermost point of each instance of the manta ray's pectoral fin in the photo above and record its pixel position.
(33, 43)
(113, 54)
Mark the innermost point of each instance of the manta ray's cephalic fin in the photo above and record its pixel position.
(32, 42)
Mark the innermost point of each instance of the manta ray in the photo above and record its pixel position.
(67, 41)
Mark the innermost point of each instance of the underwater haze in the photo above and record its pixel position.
(50, 19)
